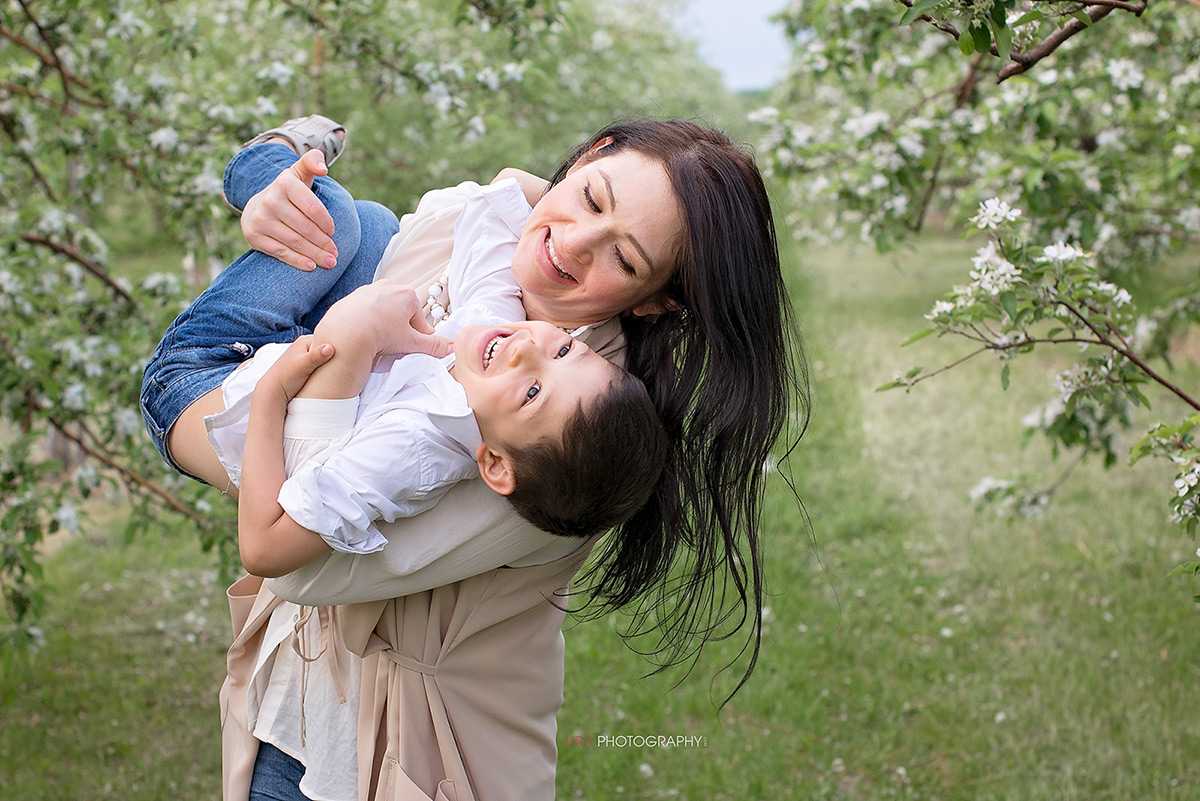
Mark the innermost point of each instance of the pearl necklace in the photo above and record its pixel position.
(437, 302)
(437, 305)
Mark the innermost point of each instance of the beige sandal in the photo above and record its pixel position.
(313, 132)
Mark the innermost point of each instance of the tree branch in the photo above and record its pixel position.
(1133, 357)
(50, 58)
(128, 474)
(1021, 62)
(74, 255)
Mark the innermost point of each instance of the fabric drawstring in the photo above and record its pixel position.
(325, 617)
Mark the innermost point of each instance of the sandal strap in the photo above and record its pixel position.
(313, 132)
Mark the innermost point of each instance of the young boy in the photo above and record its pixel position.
(537, 415)
(393, 449)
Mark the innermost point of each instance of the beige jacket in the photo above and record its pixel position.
(460, 683)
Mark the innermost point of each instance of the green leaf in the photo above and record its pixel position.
(1009, 301)
(889, 385)
(966, 44)
(1028, 17)
(919, 335)
(1004, 377)
(1083, 17)
(917, 9)
(1187, 568)
(999, 18)
(1003, 37)
(982, 37)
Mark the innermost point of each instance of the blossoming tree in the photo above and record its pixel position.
(1067, 133)
(116, 118)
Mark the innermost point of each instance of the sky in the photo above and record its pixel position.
(736, 38)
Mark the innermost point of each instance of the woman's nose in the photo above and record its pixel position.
(581, 241)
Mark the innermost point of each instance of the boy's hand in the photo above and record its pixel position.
(287, 221)
(390, 318)
(290, 372)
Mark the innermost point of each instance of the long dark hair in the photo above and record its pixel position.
(727, 375)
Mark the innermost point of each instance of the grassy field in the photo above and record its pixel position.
(914, 647)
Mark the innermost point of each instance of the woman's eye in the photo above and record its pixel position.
(533, 392)
(624, 264)
(563, 351)
(591, 201)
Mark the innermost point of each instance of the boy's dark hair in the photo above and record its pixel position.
(602, 470)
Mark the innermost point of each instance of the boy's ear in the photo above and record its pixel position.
(496, 470)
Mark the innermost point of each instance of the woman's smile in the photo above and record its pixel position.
(556, 270)
(601, 242)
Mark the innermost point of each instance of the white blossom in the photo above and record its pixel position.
(164, 139)
(514, 72)
(1189, 218)
(489, 78)
(865, 124)
(67, 517)
(986, 485)
(993, 212)
(276, 72)
(766, 114)
(476, 129)
(1144, 332)
(128, 422)
(941, 308)
(1124, 74)
(1061, 252)
(74, 397)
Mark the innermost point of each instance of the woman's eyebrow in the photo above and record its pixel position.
(612, 204)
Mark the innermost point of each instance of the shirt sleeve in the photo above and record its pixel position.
(485, 238)
(394, 468)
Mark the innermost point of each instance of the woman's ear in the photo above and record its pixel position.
(595, 149)
(592, 153)
(658, 304)
(496, 470)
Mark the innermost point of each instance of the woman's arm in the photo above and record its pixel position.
(270, 542)
(288, 221)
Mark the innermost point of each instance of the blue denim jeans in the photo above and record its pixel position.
(276, 776)
(258, 299)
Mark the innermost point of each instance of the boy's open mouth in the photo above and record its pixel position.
(490, 350)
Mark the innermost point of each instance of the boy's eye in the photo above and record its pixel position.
(533, 392)
(563, 351)
(591, 201)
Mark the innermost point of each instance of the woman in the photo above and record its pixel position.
(716, 354)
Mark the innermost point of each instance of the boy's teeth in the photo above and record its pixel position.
(491, 349)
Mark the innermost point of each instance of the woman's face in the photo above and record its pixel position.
(602, 241)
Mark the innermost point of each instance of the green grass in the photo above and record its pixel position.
(915, 647)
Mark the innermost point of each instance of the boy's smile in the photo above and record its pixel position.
(523, 380)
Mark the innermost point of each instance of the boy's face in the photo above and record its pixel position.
(523, 380)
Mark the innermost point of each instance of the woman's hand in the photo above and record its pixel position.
(287, 221)
(292, 370)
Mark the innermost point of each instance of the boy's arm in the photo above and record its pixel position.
(532, 186)
(270, 542)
